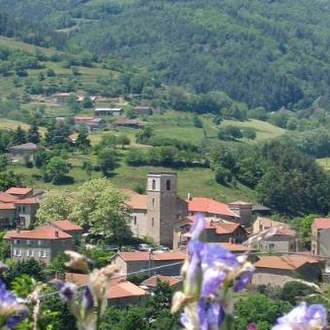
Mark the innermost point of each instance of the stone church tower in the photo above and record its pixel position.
(162, 210)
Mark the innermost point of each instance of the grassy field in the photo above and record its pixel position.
(16, 44)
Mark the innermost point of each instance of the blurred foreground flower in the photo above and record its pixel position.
(211, 275)
(89, 309)
(303, 317)
(12, 309)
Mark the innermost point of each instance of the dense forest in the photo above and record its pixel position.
(264, 53)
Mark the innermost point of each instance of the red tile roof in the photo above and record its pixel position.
(136, 201)
(7, 206)
(283, 229)
(43, 232)
(124, 289)
(232, 247)
(321, 223)
(7, 198)
(284, 262)
(226, 228)
(134, 256)
(65, 225)
(27, 201)
(18, 191)
(208, 205)
(164, 256)
(83, 118)
(145, 256)
(152, 281)
(79, 279)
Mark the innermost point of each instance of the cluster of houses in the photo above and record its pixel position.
(163, 216)
(98, 121)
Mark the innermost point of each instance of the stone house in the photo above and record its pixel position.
(68, 227)
(277, 270)
(104, 112)
(175, 282)
(19, 152)
(42, 243)
(143, 111)
(17, 207)
(167, 263)
(121, 293)
(284, 239)
(320, 244)
(156, 214)
(26, 210)
(216, 230)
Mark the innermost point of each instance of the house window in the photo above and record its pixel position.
(40, 242)
(29, 253)
(134, 219)
(17, 253)
(271, 247)
(168, 185)
(39, 253)
(153, 202)
(16, 241)
(44, 254)
(152, 222)
(153, 184)
(23, 209)
(28, 242)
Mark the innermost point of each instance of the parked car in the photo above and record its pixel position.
(144, 247)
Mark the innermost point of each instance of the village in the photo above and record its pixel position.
(165, 219)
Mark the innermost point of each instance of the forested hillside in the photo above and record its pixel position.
(264, 53)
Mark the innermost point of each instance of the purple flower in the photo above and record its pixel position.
(198, 227)
(12, 309)
(303, 317)
(87, 302)
(67, 290)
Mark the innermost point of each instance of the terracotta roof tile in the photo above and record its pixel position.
(136, 201)
(152, 281)
(321, 223)
(7, 206)
(284, 262)
(43, 232)
(7, 198)
(208, 205)
(83, 118)
(134, 256)
(168, 256)
(66, 225)
(18, 191)
(79, 279)
(27, 201)
(226, 228)
(124, 289)
(232, 247)
(145, 256)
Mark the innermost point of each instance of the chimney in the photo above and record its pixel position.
(56, 233)
(189, 197)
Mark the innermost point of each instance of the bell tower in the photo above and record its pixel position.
(162, 206)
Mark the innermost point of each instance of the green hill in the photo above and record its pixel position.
(264, 53)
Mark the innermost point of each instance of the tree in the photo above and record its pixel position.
(19, 136)
(249, 133)
(9, 179)
(33, 134)
(56, 205)
(259, 309)
(83, 143)
(29, 267)
(100, 207)
(54, 171)
(123, 140)
(107, 160)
